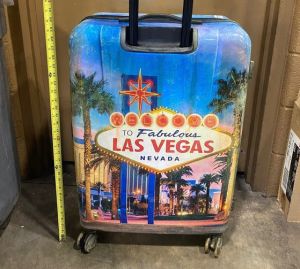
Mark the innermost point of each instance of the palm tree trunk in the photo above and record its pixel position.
(181, 206)
(171, 202)
(224, 191)
(87, 160)
(207, 198)
(157, 191)
(221, 202)
(197, 202)
(234, 163)
(178, 199)
(115, 195)
(196, 209)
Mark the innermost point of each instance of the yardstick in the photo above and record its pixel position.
(55, 114)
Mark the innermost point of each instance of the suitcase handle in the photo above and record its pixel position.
(186, 22)
(161, 17)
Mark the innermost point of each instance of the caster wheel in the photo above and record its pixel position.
(89, 243)
(218, 247)
(207, 245)
(213, 243)
(86, 242)
(78, 243)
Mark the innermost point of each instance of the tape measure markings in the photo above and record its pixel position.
(55, 114)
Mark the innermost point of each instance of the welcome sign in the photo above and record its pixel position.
(162, 140)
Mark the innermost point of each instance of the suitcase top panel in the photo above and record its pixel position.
(114, 25)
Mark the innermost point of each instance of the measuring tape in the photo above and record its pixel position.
(55, 115)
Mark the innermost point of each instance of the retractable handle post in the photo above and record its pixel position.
(186, 22)
(133, 22)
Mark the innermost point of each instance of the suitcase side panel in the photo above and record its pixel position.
(157, 135)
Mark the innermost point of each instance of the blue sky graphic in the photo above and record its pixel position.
(186, 82)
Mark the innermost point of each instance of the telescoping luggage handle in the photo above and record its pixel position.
(186, 22)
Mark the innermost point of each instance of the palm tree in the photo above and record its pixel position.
(171, 186)
(208, 179)
(179, 194)
(175, 181)
(89, 94)
(224, 175)
(232, 93)
(222, 160)
(197, 188)
(115, 169)
(223, 163)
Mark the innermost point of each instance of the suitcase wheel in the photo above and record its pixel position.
(207, 245)
(213, 243)
(218, 247)
(77, 243)
(86, 241)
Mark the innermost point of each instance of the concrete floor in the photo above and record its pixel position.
(258, 237)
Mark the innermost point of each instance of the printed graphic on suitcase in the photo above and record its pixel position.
(156, 135)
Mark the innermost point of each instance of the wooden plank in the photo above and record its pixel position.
(15, 102)
(39, 72)
(36, 128)
(266, 114)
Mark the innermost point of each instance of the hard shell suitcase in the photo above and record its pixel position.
(158, 104)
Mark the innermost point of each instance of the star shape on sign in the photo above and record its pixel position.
(138, 92)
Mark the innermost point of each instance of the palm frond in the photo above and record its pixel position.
(210, 178)
(198, 188)
(229, 90)
(87, 93)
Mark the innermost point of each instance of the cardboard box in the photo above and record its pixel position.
(289, 191)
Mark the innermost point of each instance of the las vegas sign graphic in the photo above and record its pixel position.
(162, 140)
